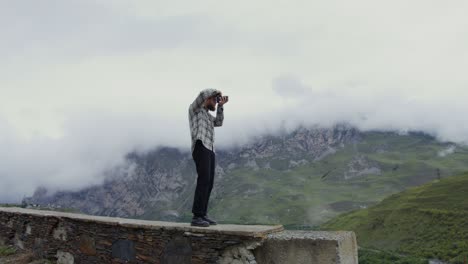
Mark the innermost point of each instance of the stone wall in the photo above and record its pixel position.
(76, 238)
(302, 247)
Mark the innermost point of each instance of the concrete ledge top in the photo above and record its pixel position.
(311, 235)
(237, 230)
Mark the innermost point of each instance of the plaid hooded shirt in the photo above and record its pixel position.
(202, 123)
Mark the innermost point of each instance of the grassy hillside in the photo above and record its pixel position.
(429, 221)
(308, 195)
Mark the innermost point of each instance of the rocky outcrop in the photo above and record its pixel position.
(359, 166)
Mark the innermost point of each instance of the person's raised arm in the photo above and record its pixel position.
(220, 111)
(219, 117)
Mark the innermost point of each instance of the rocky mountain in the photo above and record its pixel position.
(300, 178)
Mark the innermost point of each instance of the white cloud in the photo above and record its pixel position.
(447, 151)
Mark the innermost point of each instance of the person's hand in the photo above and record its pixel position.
(224, 99)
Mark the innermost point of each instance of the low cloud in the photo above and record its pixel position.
(445, 152)
(290, 87)
(95, 141)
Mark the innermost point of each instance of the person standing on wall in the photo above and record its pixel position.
(202, 125)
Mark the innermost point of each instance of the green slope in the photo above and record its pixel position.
(429, 221)
(302, 198)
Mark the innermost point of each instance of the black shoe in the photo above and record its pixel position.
(199, 221)
(210, 221)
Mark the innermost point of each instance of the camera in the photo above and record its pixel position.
(218, 98)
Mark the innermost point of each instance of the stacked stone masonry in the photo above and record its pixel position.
(81, 239)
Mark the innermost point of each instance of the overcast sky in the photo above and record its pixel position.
(83, 82)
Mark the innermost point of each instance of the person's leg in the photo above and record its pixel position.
(211, 179)
(202, 160)
(210, 187)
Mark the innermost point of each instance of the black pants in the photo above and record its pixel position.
(205, 162)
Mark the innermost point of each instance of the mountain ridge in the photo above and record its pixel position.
(295, 168)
